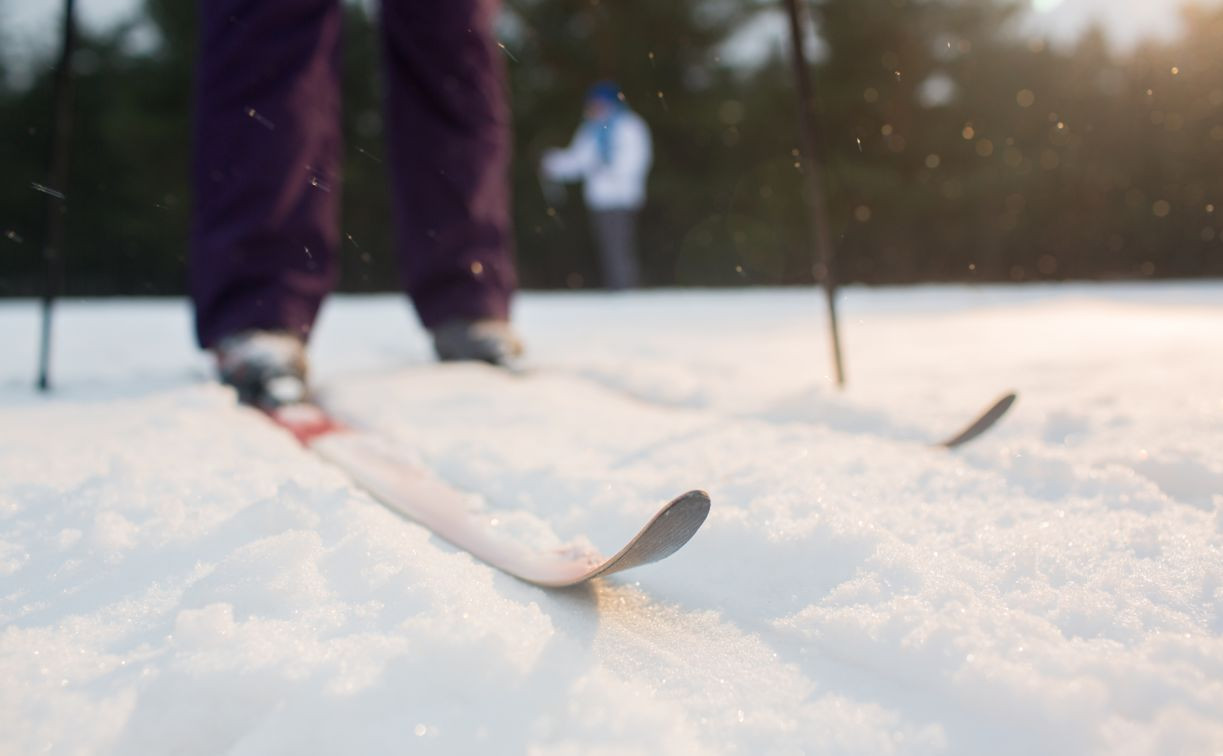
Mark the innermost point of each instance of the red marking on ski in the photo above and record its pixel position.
(307, 422)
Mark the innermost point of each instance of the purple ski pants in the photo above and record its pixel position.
(268, 153)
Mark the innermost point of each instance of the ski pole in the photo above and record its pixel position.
(817, 213)
(57, 180)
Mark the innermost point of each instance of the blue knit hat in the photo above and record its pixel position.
(604, 91)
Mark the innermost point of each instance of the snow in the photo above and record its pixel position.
(176, 576)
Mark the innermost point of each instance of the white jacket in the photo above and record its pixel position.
(613, 185)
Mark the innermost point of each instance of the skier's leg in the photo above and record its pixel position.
(601, 229)
(449, 150)
(632, 266)
(266, 167)
(614, 230)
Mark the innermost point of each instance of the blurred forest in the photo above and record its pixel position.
(955, 150)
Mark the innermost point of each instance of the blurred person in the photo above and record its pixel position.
(267, 160)
(611, 154)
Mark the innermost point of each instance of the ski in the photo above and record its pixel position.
(987, 419)
(982, 423)
(410, 489)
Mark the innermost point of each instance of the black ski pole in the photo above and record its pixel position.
(56, 189)
(817, 209)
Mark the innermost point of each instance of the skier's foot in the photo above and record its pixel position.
(491, 341)
(267, 368)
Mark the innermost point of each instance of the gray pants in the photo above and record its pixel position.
(616, 234)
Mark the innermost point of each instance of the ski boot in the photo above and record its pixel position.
(268, 370)
(492, 341)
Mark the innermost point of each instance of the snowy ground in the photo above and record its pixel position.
(178, 577)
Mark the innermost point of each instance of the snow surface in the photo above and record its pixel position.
(176, 576)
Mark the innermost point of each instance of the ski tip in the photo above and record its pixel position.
(679, 520)
(666, 533)
(1004, 402)
(984, 421)
(1001, 404)
(696, 500)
